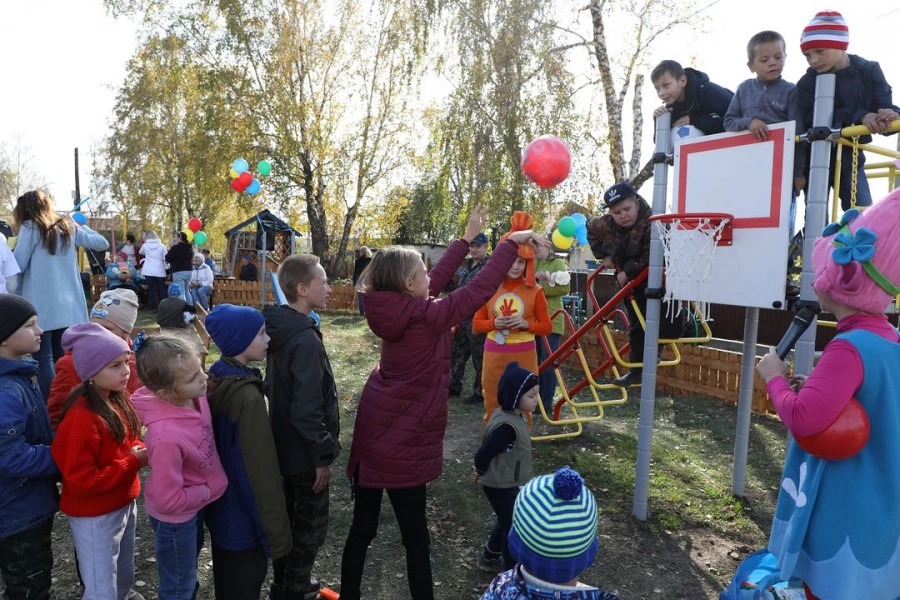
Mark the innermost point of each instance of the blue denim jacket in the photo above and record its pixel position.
(28, 475)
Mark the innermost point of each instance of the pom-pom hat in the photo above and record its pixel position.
(554, 530)
(826, 30)
(233, 328)
(514, 382)
(16, 311)
(93, 347)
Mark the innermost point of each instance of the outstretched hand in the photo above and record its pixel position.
(476, 222)
(529, 237)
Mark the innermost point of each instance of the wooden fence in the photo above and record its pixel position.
(247, 293)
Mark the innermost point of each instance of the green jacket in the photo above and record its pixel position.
(513, 468)
(553, 293)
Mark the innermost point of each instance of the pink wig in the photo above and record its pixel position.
(849, 283)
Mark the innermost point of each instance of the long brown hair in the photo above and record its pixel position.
(106, 410)
(389, 270)
(38, 207)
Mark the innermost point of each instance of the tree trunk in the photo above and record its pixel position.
(315, 207)
(637, 126)
(613, 106)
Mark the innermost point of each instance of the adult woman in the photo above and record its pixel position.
(179, 257)
(50, 278)
(153, 269)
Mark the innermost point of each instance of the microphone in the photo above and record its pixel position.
(801, 322)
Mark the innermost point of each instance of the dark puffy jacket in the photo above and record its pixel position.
(28, 475)
(629, 248)
(252, 512)
(303, 404)
(398, 439)
(704, 102)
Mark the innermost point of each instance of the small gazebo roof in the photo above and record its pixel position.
(268, 219)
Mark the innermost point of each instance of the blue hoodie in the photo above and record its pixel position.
(28, 475)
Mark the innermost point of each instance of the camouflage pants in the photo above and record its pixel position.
(308, 513)
(26, 560)
(466, 343)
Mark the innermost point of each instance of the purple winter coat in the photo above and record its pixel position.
(398, 439)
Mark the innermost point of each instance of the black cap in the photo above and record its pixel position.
(479, 239)
(16, 311)
(619, 192)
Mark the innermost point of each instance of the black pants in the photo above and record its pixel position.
(466, 344)
(239, 575)
(156, 291)
(409, 508)
(670, 326)
(308, 513)
(26, 562)
(502, 501)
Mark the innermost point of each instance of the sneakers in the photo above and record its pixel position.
(491, 565)
(632, 377)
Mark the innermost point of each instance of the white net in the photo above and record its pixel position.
(689, 246)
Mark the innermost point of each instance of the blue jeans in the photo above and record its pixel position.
(50, 352)
(201, 295)
(548, 377)
(183, 278)
(177, 547)
(863, 194)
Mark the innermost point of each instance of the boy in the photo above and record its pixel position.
(554, 539)
(621, 240)
(503, 461)
(304, 414)
(249, 523)
(861, 95)
(690, 96)
(28, 474)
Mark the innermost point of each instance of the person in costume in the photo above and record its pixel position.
(511, 319)
(836, 522)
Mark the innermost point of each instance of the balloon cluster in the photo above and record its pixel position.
(570, 227)
(242, 180)
(194, 233)
(546, 161)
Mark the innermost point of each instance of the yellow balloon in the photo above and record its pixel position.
(233, 173)
(189, 234)
(560, 241)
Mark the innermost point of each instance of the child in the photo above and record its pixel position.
(552, 273)
(116, 311)
(621, 239)
(305, 420)
(201, 281)
(175, 314)
(99, 452)
(861, 95)
(28, 474)
(554, 539)
(8, 266)
(511, 319)
(399, 431)
(249, 523)
(835, 522)
(691, 97)
(503, 461)
(120, 273)
(186, 473)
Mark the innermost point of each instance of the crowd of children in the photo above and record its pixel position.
(249, 459)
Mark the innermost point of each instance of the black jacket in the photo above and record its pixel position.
(179, 257)
(303, 404)
(705, 103)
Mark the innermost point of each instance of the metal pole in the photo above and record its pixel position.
(651, 339)
(745, 401)
(262, 271)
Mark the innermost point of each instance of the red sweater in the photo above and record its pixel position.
(99, 475)
(66, 379)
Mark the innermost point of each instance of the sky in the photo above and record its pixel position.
(70, 57)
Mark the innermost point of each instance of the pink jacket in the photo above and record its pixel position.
(186, 473)
(398, 439)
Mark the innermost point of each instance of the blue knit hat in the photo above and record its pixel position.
(233, 328)
(514, 382)
(554, 530)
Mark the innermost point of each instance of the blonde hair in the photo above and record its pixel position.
(296, 269)
(364, 252)
(389, 270)
(150, 235)
(158, 359)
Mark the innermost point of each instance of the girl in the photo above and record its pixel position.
(398, 439)
(153, 269)
(511, 318)
(186, 472)
(45, 253)
(836, 523)
(552, 274)
(99, 453)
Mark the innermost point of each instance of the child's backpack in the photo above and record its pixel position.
(758, 578)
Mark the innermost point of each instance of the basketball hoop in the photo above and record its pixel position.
(689, 245)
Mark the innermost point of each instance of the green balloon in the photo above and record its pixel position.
(200, 238)
(264, 168)
(567, 226)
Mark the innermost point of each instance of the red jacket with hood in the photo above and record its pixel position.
(398, 439)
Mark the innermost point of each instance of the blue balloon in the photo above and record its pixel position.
(581, 235)
(79, 218)
(254, 187)
(580, 219)
(240, 165)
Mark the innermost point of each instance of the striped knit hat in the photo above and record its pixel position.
(554, 530)
(827, 30)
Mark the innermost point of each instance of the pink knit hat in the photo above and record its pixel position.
(857, 261)
(93, 347)
(827, 30)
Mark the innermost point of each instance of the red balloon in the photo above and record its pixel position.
(844, 438)
(546, 161)
(236, 185)
(195, 224)
(246, 178)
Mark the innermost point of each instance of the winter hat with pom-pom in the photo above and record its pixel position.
(857, 261)
(554, 530)
(828, 29)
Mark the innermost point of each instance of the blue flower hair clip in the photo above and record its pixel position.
(139, 340)
(846, 219)
(859, 247)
